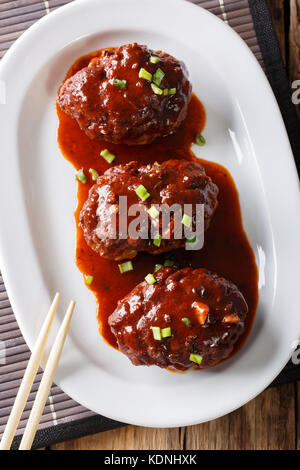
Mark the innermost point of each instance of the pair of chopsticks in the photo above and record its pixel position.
(29, 376)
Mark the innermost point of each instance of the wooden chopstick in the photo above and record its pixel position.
(46, 382)
(28, 378)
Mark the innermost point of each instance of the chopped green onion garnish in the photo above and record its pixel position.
(170, 91)
(192, 241)
(120, 83)
(196, 358)
(154, 60)
(150, 279)
(144, 74)
(109, 157)
(166, 332)
(124, 267)
(94, 173)
(200, 140)
(156, 89)
(142, 192)
(158, 76)
(157, 267)
(89, 280)
(156, 332)
(81, 176)
(186, 321)
(157, 240)
(153, 212)
(169, 262)
(186, 220)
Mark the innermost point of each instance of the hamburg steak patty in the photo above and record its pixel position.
(172, 182)
(129, 95)
(189, 318)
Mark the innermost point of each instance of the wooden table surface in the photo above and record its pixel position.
(272, 420)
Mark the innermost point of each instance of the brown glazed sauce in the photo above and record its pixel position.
(226, 248)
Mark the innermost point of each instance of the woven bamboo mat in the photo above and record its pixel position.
(15, 18)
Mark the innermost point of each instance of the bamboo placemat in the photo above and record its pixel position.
(63, 418)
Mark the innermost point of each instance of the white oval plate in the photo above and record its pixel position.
(244, 132)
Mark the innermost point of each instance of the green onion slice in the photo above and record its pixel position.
(157, 267)
(150, 279)
(196, 358)
(125, 267)
(200, 140)
(156, 89)
(186, 220)
(170, 91)
(120, 83)
(109, 157)
(186, 321)
(157, 240)
(169, 262)
(192, 241)
(81, 176)
(94, 173)
(166, 332)
(154, 60)
(142, 192)
(144, 74)
(156, 331)
(153, 212)
(158, 76)
(89, 280)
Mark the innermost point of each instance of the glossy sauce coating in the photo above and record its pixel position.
(171, 183)
(226, 247)
(186, 312)
(110, 99)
